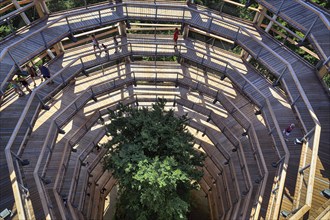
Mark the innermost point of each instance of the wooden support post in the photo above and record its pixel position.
(41, 7)
(23, 15)
(122, 28)
(269, 26)
(59, 48)
(185, 31)
(259, 17)
(323, 71)
(39, 10)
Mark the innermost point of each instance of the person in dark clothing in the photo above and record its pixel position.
(115, 43)
(25, 83)
(45, 73)
(32, 74)
(104, 46)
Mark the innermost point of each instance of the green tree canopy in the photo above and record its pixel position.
(151, 155)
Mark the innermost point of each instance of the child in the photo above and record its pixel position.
(95, 43)
(288, 130)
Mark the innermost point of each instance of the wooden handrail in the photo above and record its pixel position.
(33, 96)
(317, 12)
(57, 179)
(30, 101)
(10, 15)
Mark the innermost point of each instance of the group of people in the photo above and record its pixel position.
(96, 44)
(21, 79)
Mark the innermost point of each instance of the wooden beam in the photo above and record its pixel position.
(241, 5)
(293, 42)
(11, 5)
(4, 2)
(211, 35)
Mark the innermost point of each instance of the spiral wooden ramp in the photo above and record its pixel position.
(237, 114)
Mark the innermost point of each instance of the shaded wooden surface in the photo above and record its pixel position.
(318, 99)
(301, 17)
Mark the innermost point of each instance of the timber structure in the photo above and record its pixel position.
(51, 139)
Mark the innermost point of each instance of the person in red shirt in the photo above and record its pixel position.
(175, 37)
(288, 130)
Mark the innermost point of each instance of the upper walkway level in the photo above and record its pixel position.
(311, 21)
(265, 49)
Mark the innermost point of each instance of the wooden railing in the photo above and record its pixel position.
(319, 17)
(89, 96)
(241, 34)
(59, 75)
(6, 18)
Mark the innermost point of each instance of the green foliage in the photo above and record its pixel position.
(327, 80)
(59, 5)
(151, 155)
(4, 31)
(322, 3)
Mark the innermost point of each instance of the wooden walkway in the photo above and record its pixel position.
(88, 80)
(306, 18)
(306, 75)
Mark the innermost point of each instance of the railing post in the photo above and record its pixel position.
(60, 130)
(271, 130)
(43, 105)
(63, 81)
(156, 11)
(11, 56)
(258, 54)
(310, 29)
(294, 102)
(239, 28)
(83, 66)
(275, 164)
(301, 171)
(67, 21)
(100, 17)
(203, 59)
(304, 138)
(280, 77)
(210, 23)
(134, 79)
(28, 123)
(279, 9)
(226, 68)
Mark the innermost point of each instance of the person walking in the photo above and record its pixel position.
(95, 43)
(115, 42)
(45, 73)
(17, 88)
(31, 71)
(288, 131)
(25, 83)
(175, 37)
